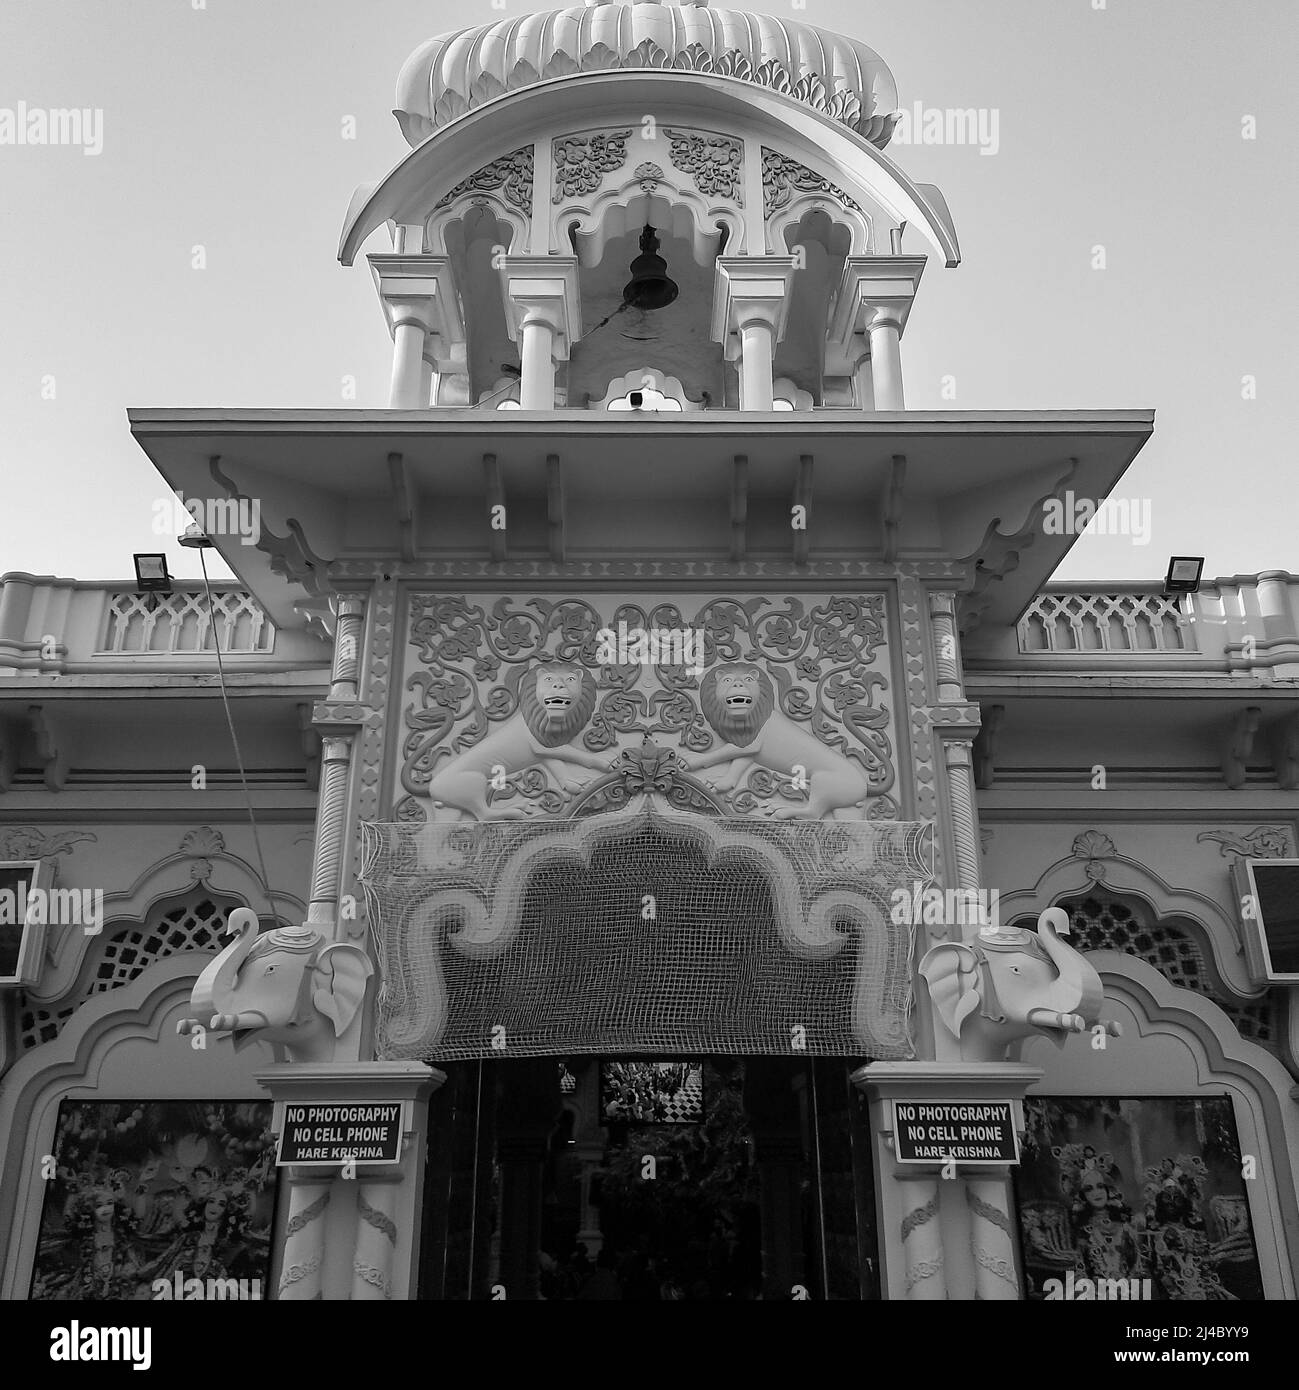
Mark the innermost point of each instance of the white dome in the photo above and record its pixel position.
(459, 72)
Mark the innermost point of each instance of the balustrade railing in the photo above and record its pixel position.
(179, 624)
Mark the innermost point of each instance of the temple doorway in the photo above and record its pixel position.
(643, 1179)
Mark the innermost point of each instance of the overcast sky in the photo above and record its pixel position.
(223, 127)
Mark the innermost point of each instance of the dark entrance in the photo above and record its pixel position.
(693, 1179)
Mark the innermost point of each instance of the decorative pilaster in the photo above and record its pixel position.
(353, 1231)
(349, 614)
(544, 316)
(921, 1236)
(992, 1241)
(751, 297)
(376, 1239)
(327, 859)
(959, 760)
(942, 624)
(936, 1245)
(873, 303)
(419, 297)
(303, 1255)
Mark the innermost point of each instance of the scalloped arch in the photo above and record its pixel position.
(171, 876)
(1267, 1118)
(1068, 878)
(75, 1061)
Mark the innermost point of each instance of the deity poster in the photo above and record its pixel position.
(158, 1200)
(1135, 1198)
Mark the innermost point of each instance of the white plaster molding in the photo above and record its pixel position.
(1266, 1116)
(871, 287)
(647, 379)
(855, 223)
(74, 1062)
(423, 288)
(544, 287)
(747, 289)
(460, 211)
(674, 211)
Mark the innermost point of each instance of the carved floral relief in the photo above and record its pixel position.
(522, 708)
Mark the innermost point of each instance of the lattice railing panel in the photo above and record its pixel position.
(179, 624)
(1085, 623)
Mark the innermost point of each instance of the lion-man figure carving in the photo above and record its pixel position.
(555, 705)
(738, 702)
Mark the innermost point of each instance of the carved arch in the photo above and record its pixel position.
(172, 876)
(843, 231)
(1193, 1047)
(448, 230)
(647, 378)
(76, 1063)
(679, 212)
(1212, 928)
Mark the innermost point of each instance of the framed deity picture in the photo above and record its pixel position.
(1135, 1198)
(168, 1199)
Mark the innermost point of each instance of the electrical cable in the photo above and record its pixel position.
(234, 737)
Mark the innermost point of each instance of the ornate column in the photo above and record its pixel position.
(419, 297)
(921, 1236)
(958, 758)
(750, 310)
(302, 1253)
(942, 625)
(352, 1232)
(544, 316)
(992, 1241)
(886, 361)
(936, 1245)
(874, 301)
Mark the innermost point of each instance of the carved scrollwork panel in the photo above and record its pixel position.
(769, 706)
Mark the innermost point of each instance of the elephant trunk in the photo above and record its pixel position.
(1077, 992)
(213, 996)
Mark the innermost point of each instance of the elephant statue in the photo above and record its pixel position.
(289, 987)
(1011, 983)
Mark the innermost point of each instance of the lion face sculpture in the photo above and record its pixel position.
(557, 703)
(736, 701)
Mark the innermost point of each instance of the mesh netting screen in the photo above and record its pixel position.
(654, 932)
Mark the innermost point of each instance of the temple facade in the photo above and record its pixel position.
(675, 842)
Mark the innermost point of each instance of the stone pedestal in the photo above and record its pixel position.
(357, 1237)
(944, 1236)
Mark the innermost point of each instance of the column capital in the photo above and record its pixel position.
(543, 289)
(873, 291)
(422, 290)
(750, 289)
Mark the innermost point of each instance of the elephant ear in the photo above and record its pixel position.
(338, 984)
(952, 973)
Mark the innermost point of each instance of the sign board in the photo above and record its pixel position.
(336, 1132)
(966, 1131)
